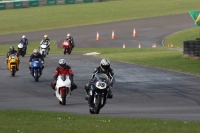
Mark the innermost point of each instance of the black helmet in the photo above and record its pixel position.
(105, 64)
(62, 63)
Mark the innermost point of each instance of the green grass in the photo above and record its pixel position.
(51, 122)
(51, 17)
(177, 38)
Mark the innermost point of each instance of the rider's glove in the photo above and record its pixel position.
(42, 62)
(30, 63)
(90, 80)
(111, 84)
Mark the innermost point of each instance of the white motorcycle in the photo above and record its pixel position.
(21, 50)
(63, 88)
(44, 49)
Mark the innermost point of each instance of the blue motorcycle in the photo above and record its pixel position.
(36, 68)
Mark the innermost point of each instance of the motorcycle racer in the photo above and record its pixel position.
(70, 38)
(46, 39)
(103, 68)
(12, 51)
(63, 68)
(36, 54)
(24, 41)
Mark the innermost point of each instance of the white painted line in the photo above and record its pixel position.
(92, 53)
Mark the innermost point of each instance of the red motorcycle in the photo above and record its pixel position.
(67, 47)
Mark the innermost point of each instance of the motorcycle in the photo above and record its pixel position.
(67, 47)
(44, 49)
(36, 68)
(21, 50)
(98, 92)
(13, 64)
(63, 88)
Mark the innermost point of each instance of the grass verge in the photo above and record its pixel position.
(51, 122)
(177, 38)
(60, 16)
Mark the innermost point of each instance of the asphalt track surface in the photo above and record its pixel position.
(139, 91)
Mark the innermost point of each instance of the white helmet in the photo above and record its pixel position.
(68, 35)
(62, 63)
(35, 52)
(105, 64)
(23, 37)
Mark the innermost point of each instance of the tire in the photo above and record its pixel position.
(63, 95)
(36, 77)
(13, 71)
(97, 105)
(64, 52)
(186, 52)
(69, 52)
(43, 53)
(91, 111)
(186, 42)
(23, 54)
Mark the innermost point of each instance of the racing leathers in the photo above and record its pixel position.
(48, 43)
(109, 73)
(24, 41)
(71, 40)
(68, 71)
(36, 56)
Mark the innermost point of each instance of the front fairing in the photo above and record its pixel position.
(63, 81)
(100, 82)
(36, 63)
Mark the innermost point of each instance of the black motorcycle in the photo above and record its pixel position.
(98, 92)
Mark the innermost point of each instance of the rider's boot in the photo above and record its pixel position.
(90, 100)
(48, 51)
(53, 85)
(110, 95)
(87, 91)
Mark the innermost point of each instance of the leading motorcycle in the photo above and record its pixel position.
(63, 88)
(98, 92)
(13, 64)
(36, 68)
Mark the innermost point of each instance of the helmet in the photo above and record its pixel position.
(12, 48)
(68, 35)
(45, 36)
(35, 52)
(62, 63)
(105, 64)
(23, 37)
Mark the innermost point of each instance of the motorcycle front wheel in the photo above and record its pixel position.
(36, 77)
(63, 95)
(13, 71)
(97, 104)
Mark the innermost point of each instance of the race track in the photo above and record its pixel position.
(139, 91)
